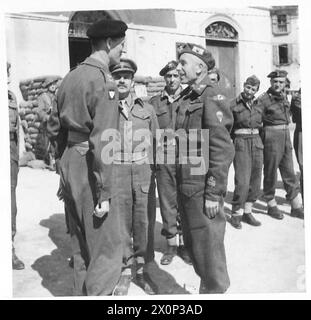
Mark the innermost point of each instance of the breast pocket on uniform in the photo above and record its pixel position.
(141, 119)
(163, 117)
(194, 115)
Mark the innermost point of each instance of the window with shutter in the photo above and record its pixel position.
(283, 54)
(276, 60)
(280, 24)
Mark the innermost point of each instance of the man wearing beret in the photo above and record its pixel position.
(165, 105)
(278, 147)
(17, 264)
(87, 103)
(203, 110)
(45, 106)
(134, 179)
(248, 159)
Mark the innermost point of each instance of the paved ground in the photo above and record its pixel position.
(266, 259)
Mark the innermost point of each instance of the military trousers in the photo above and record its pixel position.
(278, 155)
(167, 191)
(248, 163)
(14, 174)
(135, 195)
(96, 242)
(298, 152)
(204, 239)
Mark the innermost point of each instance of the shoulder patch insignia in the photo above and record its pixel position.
(219, 115)
(112, 94)
(211, 181)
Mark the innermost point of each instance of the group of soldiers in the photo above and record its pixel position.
(109, 159)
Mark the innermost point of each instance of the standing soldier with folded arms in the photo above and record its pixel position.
(278, 147)
(17, 264)
(248, 159)
(87, 102)
(165, 105)
(201, 195)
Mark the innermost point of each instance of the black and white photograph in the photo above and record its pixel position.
(154, 150)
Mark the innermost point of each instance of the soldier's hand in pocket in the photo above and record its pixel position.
(101, 209)
(211, 208)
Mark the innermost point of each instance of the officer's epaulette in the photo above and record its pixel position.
(139, 100)
(263, 96)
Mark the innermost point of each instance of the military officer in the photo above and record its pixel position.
(17, 264)
(165, 105)
(87, 103)
(248, 159)
(134, 179)
(278, 147)
(206, 112)
(295, 108)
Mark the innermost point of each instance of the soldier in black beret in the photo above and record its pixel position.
(248, 159)
(278, 146)
(165, 105)
(203, 109)
(87, 105)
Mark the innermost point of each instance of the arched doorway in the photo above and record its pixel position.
(79, 44)
(222, 41)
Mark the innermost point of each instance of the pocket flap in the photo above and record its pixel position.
(259, 144)
(161, 111)
(141, 114)
(189, 189)
(195, 106)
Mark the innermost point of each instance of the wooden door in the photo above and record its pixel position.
(224, 53)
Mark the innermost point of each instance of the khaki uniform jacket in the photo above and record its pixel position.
(87, 105)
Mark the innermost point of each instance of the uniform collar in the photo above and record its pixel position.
(276, 96)
(131, 100)
(96, 63)
(170, 98)
(198, 88)
(248, 104)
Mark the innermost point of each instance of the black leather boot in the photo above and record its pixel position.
(250, 219)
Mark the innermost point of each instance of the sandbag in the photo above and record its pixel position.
(32, 130)
(30, 117)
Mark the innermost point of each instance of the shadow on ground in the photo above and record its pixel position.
(57, 276)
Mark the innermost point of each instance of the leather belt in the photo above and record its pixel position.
(278, 127)
(121, 157)
(247, 131)
(77, 137)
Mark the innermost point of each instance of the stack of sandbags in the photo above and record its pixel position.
(31, 89)
(154, 85)
(29, 122)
